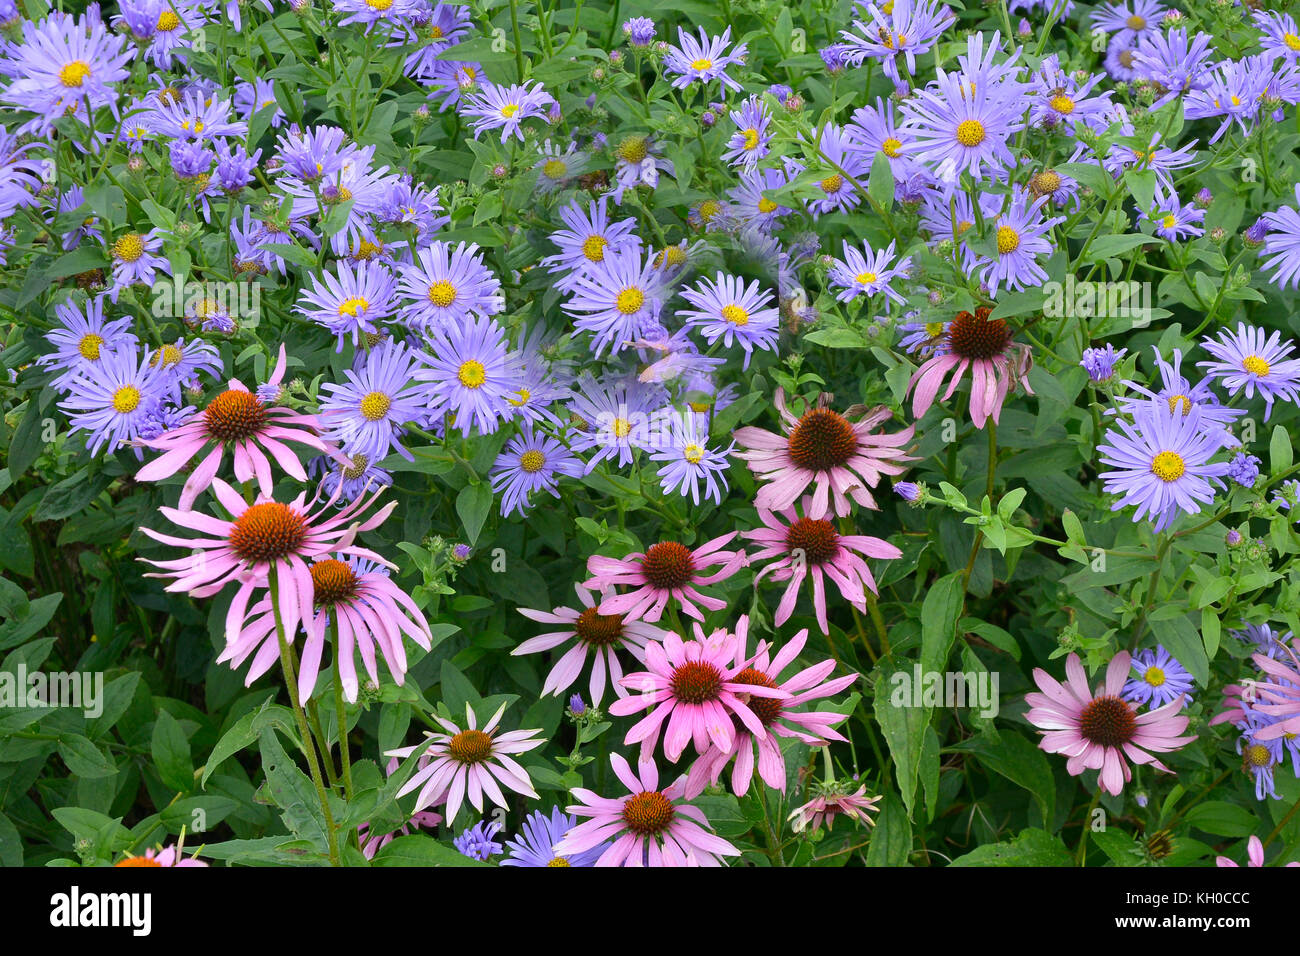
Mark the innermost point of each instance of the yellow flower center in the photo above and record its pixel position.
(524, 396)
(1154, 676)
(1169, 221)
(703, 63)
(751, 138)
(375, 406)
(970, 132)
(1168, 466)
(735, 315)
(709, 210)
(89, 346)
(472, 374)
(74, 74)
(865, 278)
(622, 427)
(963, 226)
(670, 256)
(442, 293)
(1008, 240)
(379, 4)
(1136, 22)
(1062, 104)
(933, 328)
(168, 355)
(594, 248)
(1183, 400)
(435, 32)
(532, 461)
(1255, 365)
(509, 110)
(559, 861)
(832, 184)
(554, 169)
(630, 300)
(633, 149)
(129, 248)
(168, 21)
(766, 205)
(891, 147)
(126, 399)
(1292, 41)
(693, 454)
(352, 306)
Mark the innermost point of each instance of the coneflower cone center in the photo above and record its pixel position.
(975, 337)
(138, 861)
(696, 682)
(599, 630)
(647, 813)
(268, 531)
(668, 565)
(470, 746)
(235, 415)
(334, 582)
(766, 709)
(817, 540)
(1108, 722)
(822, 440)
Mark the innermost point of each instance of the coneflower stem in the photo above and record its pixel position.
(308, 748)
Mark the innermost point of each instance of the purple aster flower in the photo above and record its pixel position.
(430, 31)
(728, 310)
(181, 362)
(1019, 238)
(1172, 61)
(539, 833)
(253, 97)
(477, 842)
(1059, 99)
(370, 12)
(958, 132)
(234, 170)
(1156, 157)
(1244, 469)
(868, 273)
(907, 490)
(351, 301)
(81, 337)
(617, 299)
(1172, 219)
(1279, 232)
(923, 338)
(612, 418)
(1162, 464)
(688, 460)
(448, 286)
(1160, 679)
(531, 461)
(1244, 359)
(847, 161)
(834, 58)
(952, 219)
(586, 242)
(190, 160)
(1178, 394)
(906, 28)
(1121, 61)
(367, 414)
(451, 82)
(701, 61)
(196, 116)
(471, 374)
(557, 167)
(1281, 35)
(135, 260)
(750, 208)
(640, 31)
(505, 107)
(577, 707)
(21, 176)
(114, 397)
(88, 228)
(347, 482)
(1267, 641)
(1099, 363)
(750, 142)
(1129, 20)
(1260, 755)
(781, 92)
(637, 163)
(1233, 90)
(876, 130)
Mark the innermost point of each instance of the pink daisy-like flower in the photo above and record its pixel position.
(600, 635)
(237, 418)
(804, 547)
(258, 540)
(167, 856)
(1279, 699)
(649, 826)
(1096, 731)
(832, 801)
(997, 364)
(372, 612)
(664, 570)
(842, 459)
(469, 763)
(692, 685)
(1254, 855)
(777, 716)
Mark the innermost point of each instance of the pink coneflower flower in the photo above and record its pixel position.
(834, 800)
(258, 540)
(1254, 855)
(842, 459)
(237, 418)
(651, 827)
(984, 346)
(469, 763)
(372, 612)
(803, 547)
(1278, 699)
(600, 635)
(1096, 731)
(779, 718)
(665, 570)
(692, 685)
(167, 856)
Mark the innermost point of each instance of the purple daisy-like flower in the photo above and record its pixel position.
(1281, 35)
(1160, 679)
(505, 107)
(906, 28)
(959, 131)
(1099, 363)
(1060, 99)
(1130, 20)
(586, 242)
(351, 301)
(1019, 239)
(1172, 61)
(1244, 469)
(448, 286)
(640, 31)
(115, 397)
(637, 163)
(81, 337)
(135, 260)
(1233, 90)
(612, 418)
(472, 374)
(703, 60)
(1162, 464)
(617, 300)
(182, 362)
(478, 842)
(533, 845)
(1179, 394)
(1172, 219)
(196, 116)
(749, 207)
(841, 152)
(750, 142)
(1121, 61)
(251, 97)
(531, 461)
(1281, 243)
(688, 460)
(726, 309)
(344, 484)
(868, 273)
(366, 414)
(1245, 360)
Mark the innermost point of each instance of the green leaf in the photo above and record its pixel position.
(247, 729)
(420, 850)
(891, 839)
(472, 505)
(1223, 819)
(1279, 450)
(1020, 761)
(83, 758)
(171, 753)
(939, 613)
(880, 186)
(904, 727)
(1031, 848)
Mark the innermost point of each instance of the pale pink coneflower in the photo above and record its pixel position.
(840, 458)
(693, 686)
(1096, 731)
(779, 718)
(812, 547)
(469, 764)
(258, 540)
(649, 826)
(601, 636)
(372, 612)
(666, 570)
(1278, 699)
(833, 801)
(237, 419)
(167, 856)
(1254, 855)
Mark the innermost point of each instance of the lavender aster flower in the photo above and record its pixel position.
(366, 415)
(471, 374)
(114, 398)
(531, 462)
(477, 842)
(1099, 363)
(506, 107)
(703, 60)
(729, 310)
(617, 300)
(1160, 679)
(533, 845)
(1245, 360)
(688, 460)
(448, 286)
(867, 273)
(350, 302)
(1244, 469)
(1019, 239)
(640, 31)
